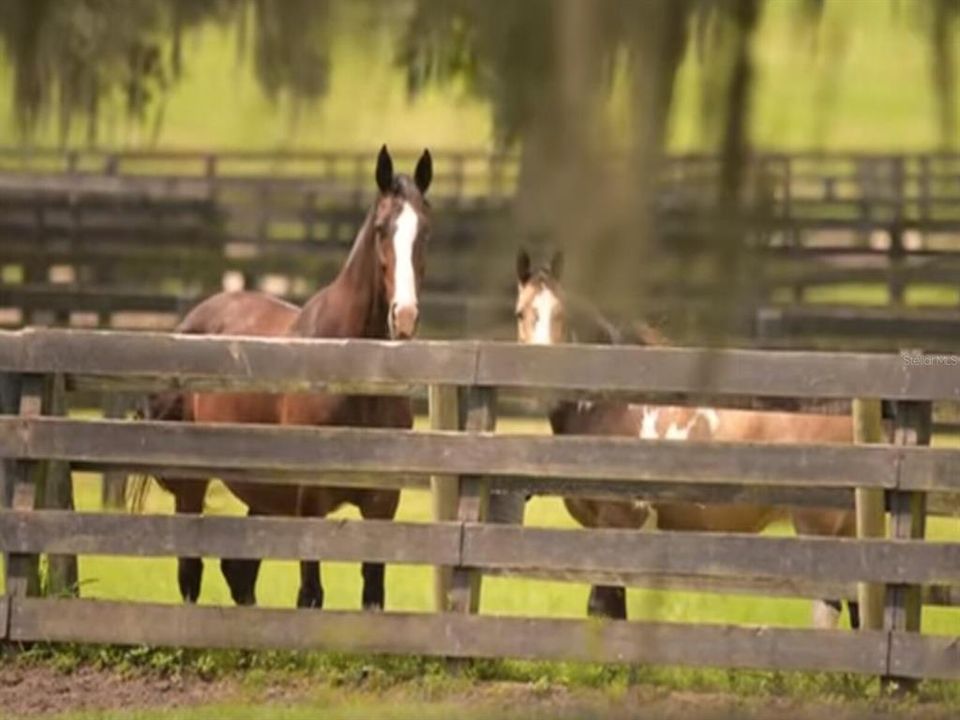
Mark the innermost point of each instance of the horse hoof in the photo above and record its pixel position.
(373, 607)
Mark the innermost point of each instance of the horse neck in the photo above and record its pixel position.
(358, 287)
(355, 296)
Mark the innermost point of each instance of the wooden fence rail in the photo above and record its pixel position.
(290, 365)
(468, 461)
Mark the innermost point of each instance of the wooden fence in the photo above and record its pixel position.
(168, 225)
(465, 462)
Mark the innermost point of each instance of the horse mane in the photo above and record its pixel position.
(646, 334)
(589, 325)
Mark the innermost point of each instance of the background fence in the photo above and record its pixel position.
(466, 462)
(120, 239)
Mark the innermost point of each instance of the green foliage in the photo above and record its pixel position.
(72, 56)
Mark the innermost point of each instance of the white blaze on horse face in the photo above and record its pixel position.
(404, 279)
(545, 303)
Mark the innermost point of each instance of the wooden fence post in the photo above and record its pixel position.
(507, 507)
(871, 515)
(444, 415)
(113, 489)
(904, 603)
(55, 492)
(23, 570)
(39, 484)
(9, 405)
(478, 407)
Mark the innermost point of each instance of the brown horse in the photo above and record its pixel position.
(375, 295)
(543, 317)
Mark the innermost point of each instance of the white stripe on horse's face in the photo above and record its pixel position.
(545, 304)
(404, 279)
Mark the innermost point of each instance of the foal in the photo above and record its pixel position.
(375, 295)
(542, 318)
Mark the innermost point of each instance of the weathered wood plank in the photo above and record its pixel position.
(924, 656)
(289, 364)
(449, 635)
(574, 553)
(4, 617)
(9, 404)
(871, 515)
(239, 537)
(478, 414)
(23, 569)
(252, 448)
(903, 607)
(444, 415)
(299, 364)
(56, 492)
(739, 372)
(838, 560)
(907, 516)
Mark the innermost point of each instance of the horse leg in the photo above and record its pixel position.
(188, 499)
(241, 575)
(608, 601)
(376, 505)
(853, 608)
(311, 587)
(829, 523)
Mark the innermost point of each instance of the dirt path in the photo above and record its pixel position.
(39, 691)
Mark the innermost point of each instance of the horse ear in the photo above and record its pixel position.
(523, 266)
(384, 170)
(556, 265)
(424, 172)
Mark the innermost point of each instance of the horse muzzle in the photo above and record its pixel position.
(404, 320)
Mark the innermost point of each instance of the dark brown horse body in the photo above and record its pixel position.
(373, 296)
(544, 317)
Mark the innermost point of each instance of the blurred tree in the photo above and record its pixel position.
(71, 58)
(942, 24)
(291, 47)
(546, 67)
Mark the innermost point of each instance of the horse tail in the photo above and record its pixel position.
(168, 406)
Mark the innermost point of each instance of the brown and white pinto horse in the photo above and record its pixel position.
(375, 295)
(542, 318)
